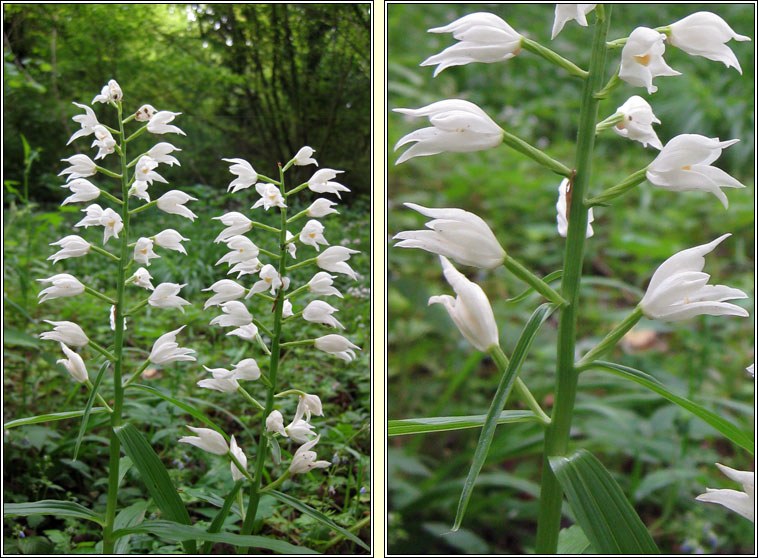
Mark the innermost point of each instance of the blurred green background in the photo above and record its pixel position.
(251, 81)
(661, 456)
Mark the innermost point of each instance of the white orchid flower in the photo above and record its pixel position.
(321, 182)
(275, 423)
(271, 196)
(567, 12)
(236, 224)
(304, 157)
(144, 113)
(81, 167)
(270, 280)
(165, 296)
(103, 141)
(235, 314)
(159, 123)
(62, 285)
(457, 126)
(312, 234)
(241, 249)
(638, 122)
(173, 202)
(141, 278)
(304, 459)
(470, 310)
(143, 251)
(484, 37)
(161, 153)
(246, 175)
(237, 452)
(144, 170)
(336, 345)
(82, 190)
(166, 349)
(171, 240)
(321, 284)
(642, 59)
(678, 289)
(87, 121)
(319, 312)
(333, 259)
(560, 207)
(72, 246)
(225, 290)
(684, 164)
(706, 34)
(321, 208)
(741, 502)
(207, 440)
(65, 332)
(74, 364)
(457, 234)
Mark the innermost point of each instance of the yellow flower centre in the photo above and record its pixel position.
(111, 223)
(143, 251)
(267, 279)
(643, 59)
(686, 167)
(312, 235)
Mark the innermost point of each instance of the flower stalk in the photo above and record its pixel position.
(533, 281)
(610, 340)
(619, 189)
(538, 155)
(558, 432)
(553, 57)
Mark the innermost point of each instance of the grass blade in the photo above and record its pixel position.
(218, 521)
(531, 328)
(52, 507)
(128, 517)
(600, 507)
(318, 516)
(88, 407)
(51, 417)
(743, 439)
(171, 530)
(404, 427)
(155, 476)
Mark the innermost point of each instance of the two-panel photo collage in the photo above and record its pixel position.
(379, 279)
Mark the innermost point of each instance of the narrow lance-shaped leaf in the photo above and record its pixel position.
(735, 434)
(498, 402)
(600, 507)
(88, 407)
(425, 425)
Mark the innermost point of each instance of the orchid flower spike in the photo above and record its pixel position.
(567, 12)
(470, 310)
(642, 59)
(741, 502)
(484, 37)
(456, 234)
(678, 289)
(684, 164)
(706, 34)
(638, 122)
(457, 126)
(207, 440)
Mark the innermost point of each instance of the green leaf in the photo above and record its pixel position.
(600, 507)
(184, 406)
(88, 407)
(155, 476)
(51, 417)
(128, 517)
(572, 541)
(657, 480)
(510, 373)
(441, 424)
(317, 515)
(52, 507)
(178, 532)
(734, 433)
(16, 338)
(218, 521)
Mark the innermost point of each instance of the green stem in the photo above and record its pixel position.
(243, 392)
(99, 397)
(99, 295)
(610, 340)
(143, 207)
(297, 216)
(138, 307)
(619, 189)
(107, 172)
(609, 122)
(269, 254)
(296, 190)
(99, 250)
(527, 397)
(265, 227)
(260, 325)
(296, 343)
(353, 529)
(558, 432)
(130, 138)
(137, 373)
(291, 392)
(612, 84)
(302, 264)
(118, 391)
(102, 350)
(532, 152)
(297, 291)
(294, 316)
(553, 57)
(532, 280)
(263, 345)
(277, 482)
(255, 491)
(111, 197)
(271, 180)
